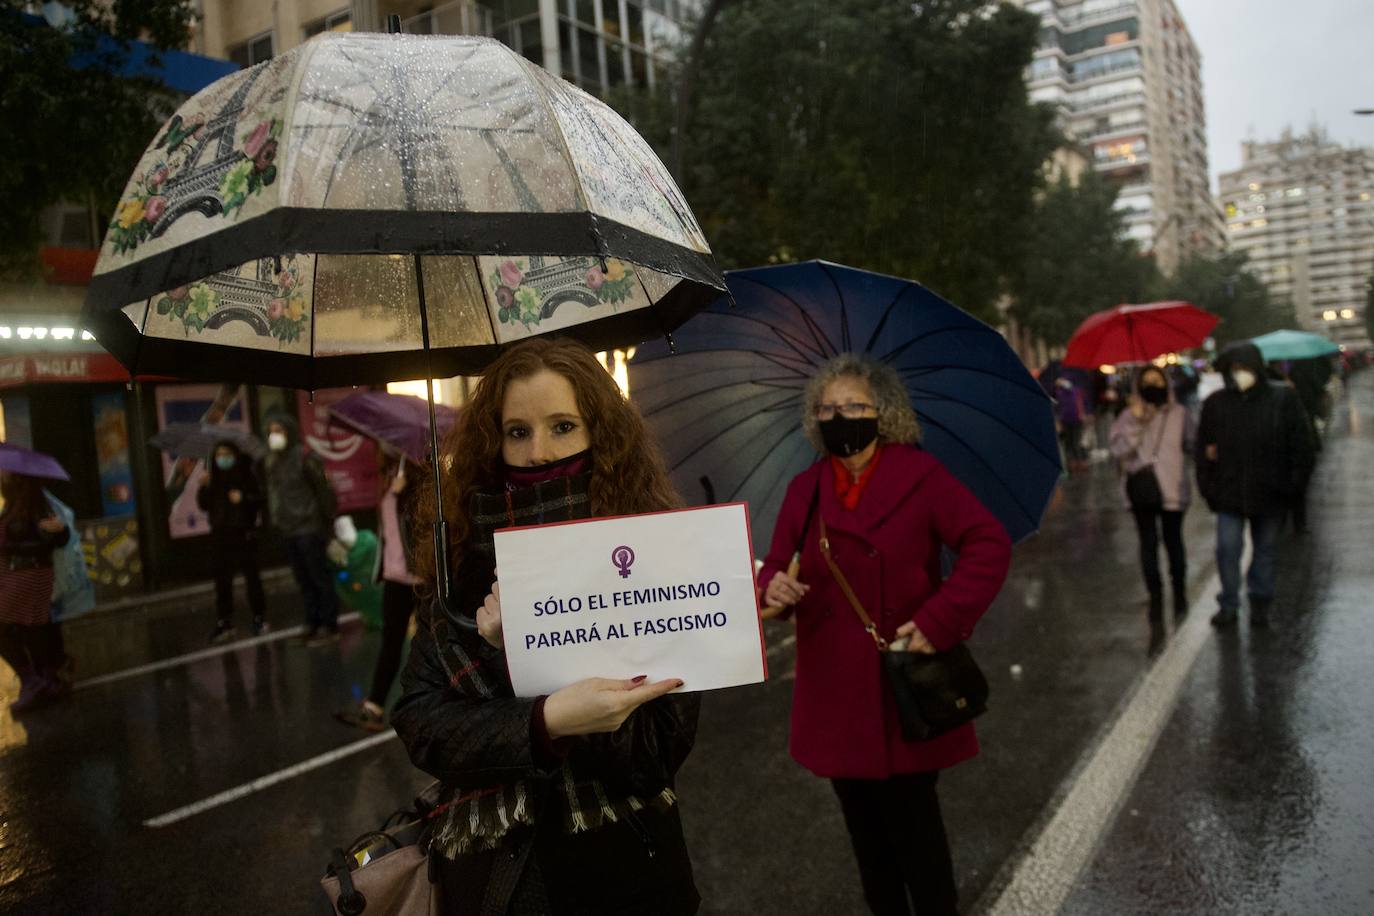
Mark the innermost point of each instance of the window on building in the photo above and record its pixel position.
(342, 21)
(634, 24)
(253, 51)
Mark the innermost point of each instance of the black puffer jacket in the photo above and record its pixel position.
(1263, 445)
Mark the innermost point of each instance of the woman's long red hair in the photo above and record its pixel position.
(627, 475)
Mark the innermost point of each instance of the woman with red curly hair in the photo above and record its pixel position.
(562, 803)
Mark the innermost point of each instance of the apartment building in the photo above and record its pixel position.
(1302, 208)
(597, 44)
(1125, 77)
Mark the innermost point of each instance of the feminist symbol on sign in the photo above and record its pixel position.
(623, 558)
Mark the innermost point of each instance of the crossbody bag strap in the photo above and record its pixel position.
(869, 626)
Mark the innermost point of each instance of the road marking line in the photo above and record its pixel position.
(263, 782)
(198, 655)
(1045, 877)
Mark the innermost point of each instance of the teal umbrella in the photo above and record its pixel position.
(1293, 345)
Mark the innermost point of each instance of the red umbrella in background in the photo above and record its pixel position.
(1138, 333)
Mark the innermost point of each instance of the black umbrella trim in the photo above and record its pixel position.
(302, 230)
(191, 359)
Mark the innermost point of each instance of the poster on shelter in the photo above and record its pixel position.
(221, 404)
(350, 459)
(112, 454)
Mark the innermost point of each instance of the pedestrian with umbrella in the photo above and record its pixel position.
(1153, 438)
(30, 641)
(233, 499)
(883, 510)
(369, 208)
(396, 514)
(930, 433)
(546, 437)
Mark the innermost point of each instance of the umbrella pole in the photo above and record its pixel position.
(442, 575)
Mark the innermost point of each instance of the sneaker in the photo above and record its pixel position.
(224, 631)
(324, 636)
(1259, 614)
(260, 626)
(361, 717)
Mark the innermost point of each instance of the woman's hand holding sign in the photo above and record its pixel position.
(587, 707)
(489, 618)
(599, 704)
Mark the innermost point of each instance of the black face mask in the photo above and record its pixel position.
(844, 437)
(1152, 394)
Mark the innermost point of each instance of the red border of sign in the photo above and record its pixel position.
(748, 538)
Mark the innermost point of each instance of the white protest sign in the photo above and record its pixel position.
(667, 595)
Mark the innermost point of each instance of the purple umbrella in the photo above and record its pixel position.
(398, 421)
(26, 461)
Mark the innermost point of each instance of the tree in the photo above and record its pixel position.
(74, 133)
(1225, 286)
(1078, 260)
(884, 135)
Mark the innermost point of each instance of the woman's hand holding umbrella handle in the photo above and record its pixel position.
(52, 524)
(489, 618)
(600, 704)
(785, 590)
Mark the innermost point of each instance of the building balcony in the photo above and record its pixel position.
(1110, 101)
(461, 17)
(1077, 20)
(1135, 161)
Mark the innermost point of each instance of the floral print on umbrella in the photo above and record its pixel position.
(519, 298)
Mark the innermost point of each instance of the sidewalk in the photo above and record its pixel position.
(1257, 798)
(160, 625)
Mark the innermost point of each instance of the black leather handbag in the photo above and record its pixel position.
(1142, 486)
(935, 693)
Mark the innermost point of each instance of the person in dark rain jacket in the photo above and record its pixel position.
(1253, 455)
(233, 499)
(562, 804)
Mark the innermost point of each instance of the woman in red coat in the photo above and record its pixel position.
(889, 507)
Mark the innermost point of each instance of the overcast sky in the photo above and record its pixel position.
(1267, 64)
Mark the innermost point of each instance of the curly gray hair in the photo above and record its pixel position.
(896, 417)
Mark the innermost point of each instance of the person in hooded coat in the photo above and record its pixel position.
(302, 505)
(1157, 432)
(232, 498)
(1253, 455)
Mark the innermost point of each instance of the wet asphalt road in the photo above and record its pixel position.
(1260, 797)
(1239, 805)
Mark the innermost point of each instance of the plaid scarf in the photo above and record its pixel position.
(473, 820)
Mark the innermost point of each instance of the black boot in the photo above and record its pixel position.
(1259, 612)
(1156, 607)
(1225, 617)
(1180, 600)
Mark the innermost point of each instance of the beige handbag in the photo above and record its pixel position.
(386, 872)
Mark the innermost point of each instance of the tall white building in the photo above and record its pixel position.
(1126, 79)
(597, 44)
(1302, 208)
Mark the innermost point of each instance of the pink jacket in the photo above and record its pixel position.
(844, 721)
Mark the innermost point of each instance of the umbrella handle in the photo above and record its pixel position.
(774, 610)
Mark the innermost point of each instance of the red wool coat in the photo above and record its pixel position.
(844, 720)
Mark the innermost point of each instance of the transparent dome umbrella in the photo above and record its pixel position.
(727, 406)
(368, 208)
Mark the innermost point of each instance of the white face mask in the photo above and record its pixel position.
(1244, 378)
(276, 441)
